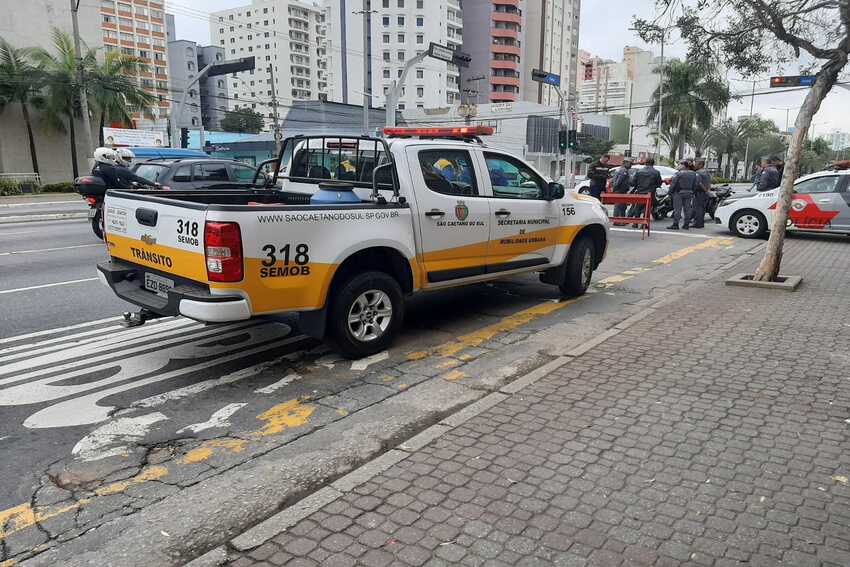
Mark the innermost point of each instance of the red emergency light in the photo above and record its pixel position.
(458, 132)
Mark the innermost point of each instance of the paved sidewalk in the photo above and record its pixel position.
(715, 435)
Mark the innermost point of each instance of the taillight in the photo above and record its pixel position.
(223, 247)
(92, 201)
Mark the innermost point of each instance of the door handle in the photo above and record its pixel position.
(824, 200)
(435, 213)
(502, 213)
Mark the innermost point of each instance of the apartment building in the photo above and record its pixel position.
(137, 27)
(206, 101)
(513, 37)
(396, 31)
(288, 41)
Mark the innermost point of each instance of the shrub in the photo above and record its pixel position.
(9, 187)
(63, 187)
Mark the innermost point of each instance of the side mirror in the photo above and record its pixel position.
(554, 191)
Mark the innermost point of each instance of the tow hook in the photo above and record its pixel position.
(138, 318)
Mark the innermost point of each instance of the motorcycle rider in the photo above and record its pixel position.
(598, 175)
(646, 180)
(621, 184)
(701, 192)
(110, 167)
(682, 189)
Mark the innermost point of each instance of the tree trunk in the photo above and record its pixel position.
(100, 130)
(33, 156)
(768, 269)
(73, 135)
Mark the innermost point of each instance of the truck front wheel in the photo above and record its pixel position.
(365, 315)
(579, 268)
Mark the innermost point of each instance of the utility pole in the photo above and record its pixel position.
(84, 101)
(660, 101)
(747, 150)
(278, 136)
(367, 88)
(397, 86)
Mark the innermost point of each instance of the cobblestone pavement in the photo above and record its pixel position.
(717, 435)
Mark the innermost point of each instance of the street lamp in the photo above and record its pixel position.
(787, 110)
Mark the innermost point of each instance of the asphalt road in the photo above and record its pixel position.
(77, 391)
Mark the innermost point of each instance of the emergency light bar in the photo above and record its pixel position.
(459, 132)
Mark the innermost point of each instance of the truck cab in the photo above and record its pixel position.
(349, 227)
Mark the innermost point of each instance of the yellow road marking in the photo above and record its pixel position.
(205, 450)
(150, 473)
(711, 243)
(7, 563)
(284, 416)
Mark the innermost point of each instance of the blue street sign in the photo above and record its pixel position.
(544, 77)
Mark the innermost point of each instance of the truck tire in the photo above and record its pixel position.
(97, 223)
(365, 314)
(579, 269)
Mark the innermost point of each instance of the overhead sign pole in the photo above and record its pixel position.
(554, 81)
(435, 51)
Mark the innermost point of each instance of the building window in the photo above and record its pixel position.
(420, 73)
(401, 20)
(401, 38)
(386, 3)
(190, 65)
(420, 21)
(107, 4)
(127, 37)
(125, 7)
(386, 38)
(144, 54)
(108, 19)
(386, 73)
(110, 34)
(386, 55)
(420, 4)
(400, 73)
(401, 55)
(420, 92)
(401, 106)
(386, 21)
(401, 3)
(420, 39)
(156, 14)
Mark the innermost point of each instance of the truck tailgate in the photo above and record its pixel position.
(164, 237)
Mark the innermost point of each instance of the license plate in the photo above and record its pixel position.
(158, 284)
(92, 213)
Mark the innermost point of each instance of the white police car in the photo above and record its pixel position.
(821, 203)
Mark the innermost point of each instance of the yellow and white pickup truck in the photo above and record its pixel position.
(343, 242)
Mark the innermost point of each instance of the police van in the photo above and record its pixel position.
(345, 229)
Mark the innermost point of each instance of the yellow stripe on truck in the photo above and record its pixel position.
(190, 265)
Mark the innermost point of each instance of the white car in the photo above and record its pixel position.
(821, 203)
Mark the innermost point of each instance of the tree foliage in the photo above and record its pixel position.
(114, 89)
(756, 36)
(246, 120)
(593, 146)
(20, 83)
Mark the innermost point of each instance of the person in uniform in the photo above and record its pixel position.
(769, 178)
(622, 184)
(598, 175)
(682, 189)
(701, 193)
(646, 180)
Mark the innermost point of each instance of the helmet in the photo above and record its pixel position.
(105, 155)
(125, 157)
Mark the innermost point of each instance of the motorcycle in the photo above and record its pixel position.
(716, 197)
(93, 189)
(662, 207)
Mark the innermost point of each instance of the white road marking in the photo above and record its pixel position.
(58, 330)
(193, 389)
(116, 438)
(41, 204)
(42, 286)
(365, 363)
(328, 361)
(217, 420)
(685, 233)
(85, 410)
(48, 249)
(285, 381)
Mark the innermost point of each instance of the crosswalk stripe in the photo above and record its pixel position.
(57, 330)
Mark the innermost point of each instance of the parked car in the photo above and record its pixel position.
(188, 174)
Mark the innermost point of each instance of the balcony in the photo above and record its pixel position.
(299, 15)
(503, 97)
(499, 64)
(508, 17)
(506, 3)
(509, 49)
(298, 24)
(503, 32)
(513, 81)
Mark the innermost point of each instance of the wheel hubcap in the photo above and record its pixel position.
(748, 225)
(370, 315)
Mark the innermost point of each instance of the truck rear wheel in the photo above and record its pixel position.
(366, 314)
(97, 223)
(580, 263)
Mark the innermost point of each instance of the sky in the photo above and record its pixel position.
(604, 32)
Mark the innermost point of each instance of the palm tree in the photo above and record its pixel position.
(730, 138)
(692, 95)
(20, 83)
(115, 91)
(700, 139)
(59, 71)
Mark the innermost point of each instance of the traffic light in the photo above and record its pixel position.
(562, 140)
(573, 139)
(184, 137)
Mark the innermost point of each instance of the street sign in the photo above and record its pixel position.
(234, 66)
(793, 81)
(497, 107)
(449, 55)
(547, 78)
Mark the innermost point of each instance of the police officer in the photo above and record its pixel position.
(598, 175)
(682, 188)
(621, 184)
(646, 179)
(769, 178)
(701, 193)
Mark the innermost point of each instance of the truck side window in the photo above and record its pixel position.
(511, 179)
(211, 172)
(449, 172)
(184, 173)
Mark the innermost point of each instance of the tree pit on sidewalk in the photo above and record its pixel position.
(782, 283)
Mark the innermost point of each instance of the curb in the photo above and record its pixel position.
(37, 218)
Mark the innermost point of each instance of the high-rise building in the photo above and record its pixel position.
(137, 27)
(206, 101)
(397, 31)
(287, 40)
(839, 140)
(511, 38)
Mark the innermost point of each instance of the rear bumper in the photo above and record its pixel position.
(193, 301)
